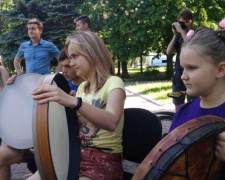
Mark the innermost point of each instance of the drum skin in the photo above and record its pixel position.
(55, 131)
(188, 152)
(16, 104)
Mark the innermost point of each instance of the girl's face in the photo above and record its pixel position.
(81, 64)
(199, 75)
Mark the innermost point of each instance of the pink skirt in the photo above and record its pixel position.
(97, 164)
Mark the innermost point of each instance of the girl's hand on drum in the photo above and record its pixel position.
(49, 93)
(220, 146)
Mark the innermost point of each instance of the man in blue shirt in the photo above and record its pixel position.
(36, 52)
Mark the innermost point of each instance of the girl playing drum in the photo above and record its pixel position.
(203, 60)
(99, 102)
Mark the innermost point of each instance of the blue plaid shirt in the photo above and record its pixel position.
(37, 58)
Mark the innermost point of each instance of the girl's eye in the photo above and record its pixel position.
(192, 67)
(74, 56)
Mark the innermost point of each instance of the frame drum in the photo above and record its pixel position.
(55, 132)
(188, 152)
(16, 111)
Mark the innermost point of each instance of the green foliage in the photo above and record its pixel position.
(130, 28)
(6, 4)
(57, 18)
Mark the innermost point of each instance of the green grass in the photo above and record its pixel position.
(155, 90)
(148, 74)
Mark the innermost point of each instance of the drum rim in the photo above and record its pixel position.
(146, 167)
(40, 134)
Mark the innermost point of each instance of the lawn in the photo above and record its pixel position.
(148, 74)
(155, 86)
(156, 90)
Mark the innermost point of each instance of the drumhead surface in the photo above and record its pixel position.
(55, 131)
(59, 137)
(16, 111)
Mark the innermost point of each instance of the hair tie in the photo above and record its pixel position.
(190, 34)
(221, 30)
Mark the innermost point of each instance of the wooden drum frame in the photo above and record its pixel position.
(188, 152)
(55, 132)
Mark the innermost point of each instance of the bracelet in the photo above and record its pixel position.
(79, 104)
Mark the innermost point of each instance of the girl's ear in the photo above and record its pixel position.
(221, 70)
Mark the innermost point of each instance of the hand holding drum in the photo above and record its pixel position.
(48, 127)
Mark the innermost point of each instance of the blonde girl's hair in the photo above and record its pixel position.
(92, 47)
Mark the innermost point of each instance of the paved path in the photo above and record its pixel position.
(133, 99)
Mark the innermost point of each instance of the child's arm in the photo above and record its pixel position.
(220, 146)
(107, 119)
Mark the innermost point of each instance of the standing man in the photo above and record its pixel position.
(36, 52)
(68, 71)
(83, 23)
(180, 29)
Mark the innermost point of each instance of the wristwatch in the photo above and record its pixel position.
(79, 104)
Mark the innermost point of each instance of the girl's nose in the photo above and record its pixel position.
(72, 62)
(184, 76)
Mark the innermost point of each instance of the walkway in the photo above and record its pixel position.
(133, 99)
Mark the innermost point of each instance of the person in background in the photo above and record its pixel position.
(83, 23)
(99, 102)
(68, 71)
(180, 30)
(36, 52)
(4, 76)
(203, 60)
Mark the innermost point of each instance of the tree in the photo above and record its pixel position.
(56, 15)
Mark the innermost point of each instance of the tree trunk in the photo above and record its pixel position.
(118, 67)
(141, 59)
(169, 71)
(124, 70)
(134, 62)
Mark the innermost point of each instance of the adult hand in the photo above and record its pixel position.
(178, 27)
(11, 79)
(49, 93)
(220, 146)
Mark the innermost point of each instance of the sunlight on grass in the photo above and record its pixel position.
(137, 70)
(156, 90)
